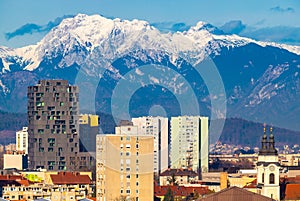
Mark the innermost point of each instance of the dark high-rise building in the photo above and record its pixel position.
(88, 129)
(53, 107)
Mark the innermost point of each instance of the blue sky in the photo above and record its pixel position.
(256, 18)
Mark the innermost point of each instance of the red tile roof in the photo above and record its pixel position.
(233, 194)
(179, 190)
(294, 180)
(16, 179)
(70, 178)
(292, 192)
(251, 184)
(10, 177)
(179, 172)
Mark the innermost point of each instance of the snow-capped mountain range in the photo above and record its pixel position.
(258, 76)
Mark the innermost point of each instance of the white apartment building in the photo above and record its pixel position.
(22, 140)
(158, 127)
(189, 142)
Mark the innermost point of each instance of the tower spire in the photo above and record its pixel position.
(272, 149)
(264, 143)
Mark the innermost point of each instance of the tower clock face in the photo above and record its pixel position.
(272, 168)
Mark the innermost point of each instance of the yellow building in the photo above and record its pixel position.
(63, 186)
(37, 191)
(124, 167)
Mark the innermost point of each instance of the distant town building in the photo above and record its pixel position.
(177, 177)
(126, 128)
(22, 140)
(10, 147)
(181, 192)
(1, 148)
(15, 160)
(53, 127)
(268, 168)
(189, 143)
(158, 127)
(124, 167)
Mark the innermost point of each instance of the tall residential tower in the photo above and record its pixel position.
(189, 143)
(124, 167)
(53, 128)
(158, 127)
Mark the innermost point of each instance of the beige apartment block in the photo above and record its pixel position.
(15, 160)
(124, 167)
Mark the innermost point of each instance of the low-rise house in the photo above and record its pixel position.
(177, 176)
(180, 192)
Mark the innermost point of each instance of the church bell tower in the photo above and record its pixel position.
(268, 167)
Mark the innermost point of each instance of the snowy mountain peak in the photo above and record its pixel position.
(203, 26)
(74, 39)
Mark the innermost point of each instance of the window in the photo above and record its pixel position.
(127, 162)
(51, 140)
(128, 191)
(263, 178)
(272, 178)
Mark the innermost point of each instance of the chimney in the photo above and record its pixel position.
(223, 180)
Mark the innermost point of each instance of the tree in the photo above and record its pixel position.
(169, 195)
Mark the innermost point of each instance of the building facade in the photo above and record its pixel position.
(53, 107)
(88, 130)
(268, 168)
(22, 140)
(158, 127)
(67, 186)
(15, 160)
(124, 167)
(189, 143)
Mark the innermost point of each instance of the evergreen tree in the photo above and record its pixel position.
(169, 195)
